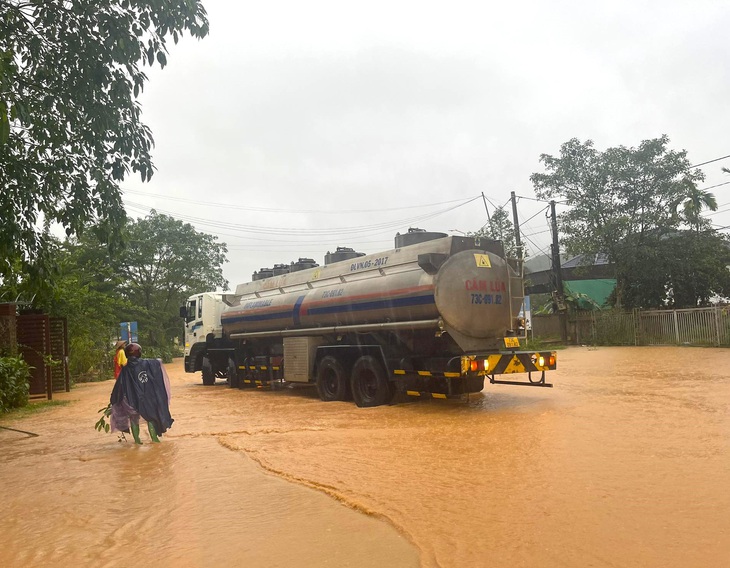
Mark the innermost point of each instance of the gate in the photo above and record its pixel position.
(60, 375)
(43, 343)
(34, 342)
(699, 326)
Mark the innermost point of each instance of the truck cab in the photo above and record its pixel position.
(202, 314)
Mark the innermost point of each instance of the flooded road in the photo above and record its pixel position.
(624, 463)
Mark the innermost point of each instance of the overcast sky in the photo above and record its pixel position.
(297, 127)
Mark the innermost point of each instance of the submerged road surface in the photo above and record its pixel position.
(625, 462)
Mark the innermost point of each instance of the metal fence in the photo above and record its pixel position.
(700, 326)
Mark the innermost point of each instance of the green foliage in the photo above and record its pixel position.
(616, 194)
(14, 383)
(95, 288)
(545, 304)
(164, 262)
(166, 352)
(85, 292)
(70, 122)
(579, 301)
(681, 270)
(633, 204)
(102, 425)
(161, 263)
(692, 205)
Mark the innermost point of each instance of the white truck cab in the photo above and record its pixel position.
(202, 313)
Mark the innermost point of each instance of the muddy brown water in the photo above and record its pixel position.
(626, 462)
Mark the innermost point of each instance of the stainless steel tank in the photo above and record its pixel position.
(464, 284)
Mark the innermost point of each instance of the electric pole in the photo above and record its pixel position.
(518, 241)
(489, 219)
(558, 272)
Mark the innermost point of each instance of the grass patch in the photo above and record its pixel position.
(32, 408)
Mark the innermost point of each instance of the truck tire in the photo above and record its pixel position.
(332, 381)
(370, 386)
(233, 378)
(208, 376)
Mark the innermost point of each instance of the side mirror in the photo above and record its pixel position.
(183, 312)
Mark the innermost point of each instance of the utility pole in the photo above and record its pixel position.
(489, 219)
(516, 221)
(558, 272)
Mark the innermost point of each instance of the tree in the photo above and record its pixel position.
(692, 205)
(698, 268)
(623, 202)
(86, 292)
(70, 122)
(684, 269)
(162, 262)
(500, 228)
(165, 261)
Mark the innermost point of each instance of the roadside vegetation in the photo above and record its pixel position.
(642, 207)
(14, 380)
(71, 131)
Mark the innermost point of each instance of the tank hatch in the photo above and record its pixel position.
(342, 253)
(415, 236)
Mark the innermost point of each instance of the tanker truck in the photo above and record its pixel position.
(432, 317)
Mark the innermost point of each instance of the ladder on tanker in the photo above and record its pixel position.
(517, 291)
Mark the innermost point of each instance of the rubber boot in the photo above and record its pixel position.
(135, 433)
(153, 432)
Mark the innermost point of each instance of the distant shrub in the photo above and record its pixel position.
(165, 353)
(14, 383)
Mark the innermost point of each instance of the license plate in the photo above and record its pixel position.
(511, 342)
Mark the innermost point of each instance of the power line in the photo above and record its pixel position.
(713, 186)
(536, 233)
(535, 215)
(710, 161)
(536, 246)
(278, 210)
(533, 199)
(294, 232)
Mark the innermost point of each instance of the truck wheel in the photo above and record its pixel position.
(370, 386)
(332, 383)
(233, 379)
(208, 376)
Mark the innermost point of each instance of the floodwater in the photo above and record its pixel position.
(626, 462)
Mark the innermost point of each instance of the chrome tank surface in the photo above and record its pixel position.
(472, 294)
(469, 289)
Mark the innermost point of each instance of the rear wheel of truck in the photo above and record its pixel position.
(233, 379)
(369, 383)
(332, 383)
(208, 376)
